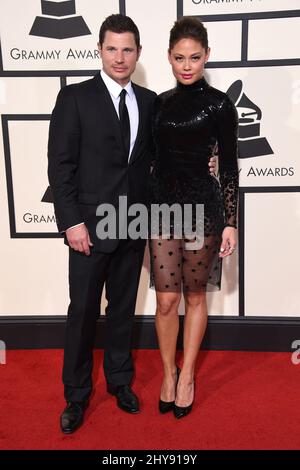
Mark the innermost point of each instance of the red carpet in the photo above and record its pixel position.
(244, 400)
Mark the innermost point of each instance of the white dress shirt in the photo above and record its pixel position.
(114, 90)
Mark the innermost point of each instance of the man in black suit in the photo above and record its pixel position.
(100, 149)
(92, 160)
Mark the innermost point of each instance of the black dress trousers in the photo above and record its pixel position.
(120, 272)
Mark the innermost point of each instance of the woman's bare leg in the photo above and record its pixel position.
(194, 328)
(167, 327)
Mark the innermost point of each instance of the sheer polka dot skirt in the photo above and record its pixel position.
(175, 268)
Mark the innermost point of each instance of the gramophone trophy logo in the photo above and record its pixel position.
(251, 144)
(47, 197)
(59, 21)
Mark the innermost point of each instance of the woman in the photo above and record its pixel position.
(190, 121)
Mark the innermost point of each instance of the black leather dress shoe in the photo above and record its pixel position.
(166, 406)
(126, 399)
(72, 416)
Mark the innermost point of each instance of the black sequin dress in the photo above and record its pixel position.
(190, 121)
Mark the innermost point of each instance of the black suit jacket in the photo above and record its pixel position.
(87, 162)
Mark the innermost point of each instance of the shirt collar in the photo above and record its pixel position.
(114, 88)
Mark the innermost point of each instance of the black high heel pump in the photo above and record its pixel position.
(181, 411)
(166, 406)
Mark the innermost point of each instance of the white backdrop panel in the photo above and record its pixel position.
(279, 124)
(224, 50)
(28, 95)
(34, 270)
(24, 51)
(212, 7)
(272, 268)
(277, 38)
(28, 150)
(155, 20)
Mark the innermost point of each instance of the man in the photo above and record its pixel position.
(99, 149)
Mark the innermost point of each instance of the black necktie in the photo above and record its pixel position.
(124, 121)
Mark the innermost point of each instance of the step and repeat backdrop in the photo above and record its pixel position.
(255, 58)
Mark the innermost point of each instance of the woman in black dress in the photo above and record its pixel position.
(190, 121)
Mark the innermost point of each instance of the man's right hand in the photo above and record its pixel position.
(79, 239)
(212, 165)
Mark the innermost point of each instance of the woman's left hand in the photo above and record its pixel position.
(228, 244)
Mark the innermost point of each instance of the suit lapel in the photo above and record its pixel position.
(142, 116)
